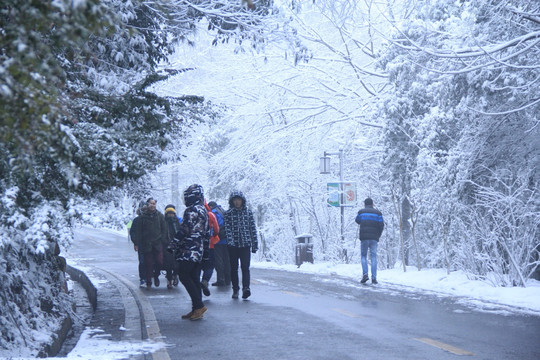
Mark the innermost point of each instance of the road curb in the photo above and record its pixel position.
(55, 346)
(81, 278)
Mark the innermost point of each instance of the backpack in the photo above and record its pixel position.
(220, 215)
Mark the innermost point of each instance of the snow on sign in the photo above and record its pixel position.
(349, 194)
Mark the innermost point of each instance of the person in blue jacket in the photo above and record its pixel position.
(371, 227)
(221, 253)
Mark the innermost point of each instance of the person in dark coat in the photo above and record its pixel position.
(169, 263)
(135, 236)
(190, 245)
(149, 231)
(371, 227)
(241, 234)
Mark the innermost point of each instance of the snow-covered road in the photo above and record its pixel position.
(295, 315)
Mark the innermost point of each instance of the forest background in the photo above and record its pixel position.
(434, 104)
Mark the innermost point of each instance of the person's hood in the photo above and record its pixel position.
(237, 194)
(147, 212)
(194, 195)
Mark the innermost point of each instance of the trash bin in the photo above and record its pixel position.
(304, 249)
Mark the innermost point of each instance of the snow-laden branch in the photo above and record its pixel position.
(526, 106)
(468, 52)
(501, 61)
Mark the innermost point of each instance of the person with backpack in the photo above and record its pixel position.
(190, 245)
(221, 253)
(208, 264)
(241, 233)
(371, 227)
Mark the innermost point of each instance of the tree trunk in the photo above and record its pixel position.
(406, 226)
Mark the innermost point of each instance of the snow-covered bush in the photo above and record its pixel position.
(33, 291)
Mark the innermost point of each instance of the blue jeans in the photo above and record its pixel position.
(372, 246)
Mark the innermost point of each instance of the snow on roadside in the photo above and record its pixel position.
(455, 284)
(96, 345)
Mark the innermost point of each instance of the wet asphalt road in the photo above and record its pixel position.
(301, 316)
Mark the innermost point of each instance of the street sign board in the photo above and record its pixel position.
(334, 194)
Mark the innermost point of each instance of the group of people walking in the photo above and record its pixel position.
(204, 238)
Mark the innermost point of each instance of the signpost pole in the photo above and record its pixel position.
(325, 169)
(341, 205)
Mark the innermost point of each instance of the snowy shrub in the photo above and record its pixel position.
(32, 284)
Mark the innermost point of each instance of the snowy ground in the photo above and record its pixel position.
(474, 293)
(96, 345)
(477, 294)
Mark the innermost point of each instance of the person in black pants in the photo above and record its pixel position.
(190, 245)
(241, 234)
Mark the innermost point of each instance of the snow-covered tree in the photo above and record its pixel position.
(77, 119)
(286, 112)
(461, 121)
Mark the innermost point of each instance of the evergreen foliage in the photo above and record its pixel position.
(76, 119)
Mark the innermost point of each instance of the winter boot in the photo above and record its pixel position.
(169, 284)
(364, 280)
(198, 314)
(374, 281)
(246, 293)
(205, 290)
(188, 315)
(235, 294)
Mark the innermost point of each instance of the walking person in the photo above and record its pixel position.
(371, 227)
(208, 264)
(241, 234)
(134, 236)
(148, 231)
(221, 253)
(169, 263)
(189, 246)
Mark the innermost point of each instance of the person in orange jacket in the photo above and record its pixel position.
(208, 265)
